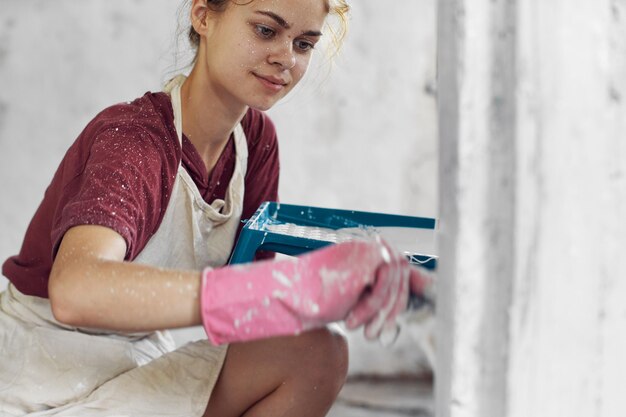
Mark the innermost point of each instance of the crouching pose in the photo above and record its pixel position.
(134, 232)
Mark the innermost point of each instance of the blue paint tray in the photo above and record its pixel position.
(293, 230)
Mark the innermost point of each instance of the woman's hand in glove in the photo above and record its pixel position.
(286, 297)
(379, 307)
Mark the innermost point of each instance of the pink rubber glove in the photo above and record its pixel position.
(274, 298)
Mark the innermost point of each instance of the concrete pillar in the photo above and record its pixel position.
(532, 308)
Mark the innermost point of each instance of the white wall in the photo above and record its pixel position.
(531, 307)
(365, 137)
(360, 135)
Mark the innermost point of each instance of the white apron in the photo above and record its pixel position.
(50, 369)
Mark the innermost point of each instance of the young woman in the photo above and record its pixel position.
(134, 231)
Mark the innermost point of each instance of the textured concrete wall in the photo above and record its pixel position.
(477, 204)
(533, 192)
(359, 135)
(568, 319)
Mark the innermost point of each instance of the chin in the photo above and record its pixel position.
(262, 106)
(263, 102)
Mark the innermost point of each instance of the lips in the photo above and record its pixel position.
(271, 82)
(272, 79)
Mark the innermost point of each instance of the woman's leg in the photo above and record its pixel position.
(297, 376)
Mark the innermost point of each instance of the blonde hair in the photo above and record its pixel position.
(338, 9)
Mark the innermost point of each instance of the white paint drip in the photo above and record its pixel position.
(315, 309)
(296, 300)
(334, 278)
(408, 240)
(246, 318)
(279, 295)
(282, 278)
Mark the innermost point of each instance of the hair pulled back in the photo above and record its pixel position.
(336, 8)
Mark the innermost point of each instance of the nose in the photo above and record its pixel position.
(282, 54)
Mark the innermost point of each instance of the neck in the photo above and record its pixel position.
(208, 120)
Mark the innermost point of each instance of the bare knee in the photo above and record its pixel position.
(303, 374)
(324, 358)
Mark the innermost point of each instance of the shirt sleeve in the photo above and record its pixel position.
(124, 185)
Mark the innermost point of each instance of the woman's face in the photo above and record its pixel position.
(257, 52)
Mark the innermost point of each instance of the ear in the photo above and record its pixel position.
(199, 16)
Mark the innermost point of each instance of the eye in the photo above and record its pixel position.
(304, 45)
(264, 31)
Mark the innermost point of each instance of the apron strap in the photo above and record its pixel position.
(173, 88)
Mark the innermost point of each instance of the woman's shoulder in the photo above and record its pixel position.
(145, 124)
(151, 112)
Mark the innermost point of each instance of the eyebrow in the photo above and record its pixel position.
(283, 23)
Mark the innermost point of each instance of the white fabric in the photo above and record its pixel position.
(50, 369)
(194, 234)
